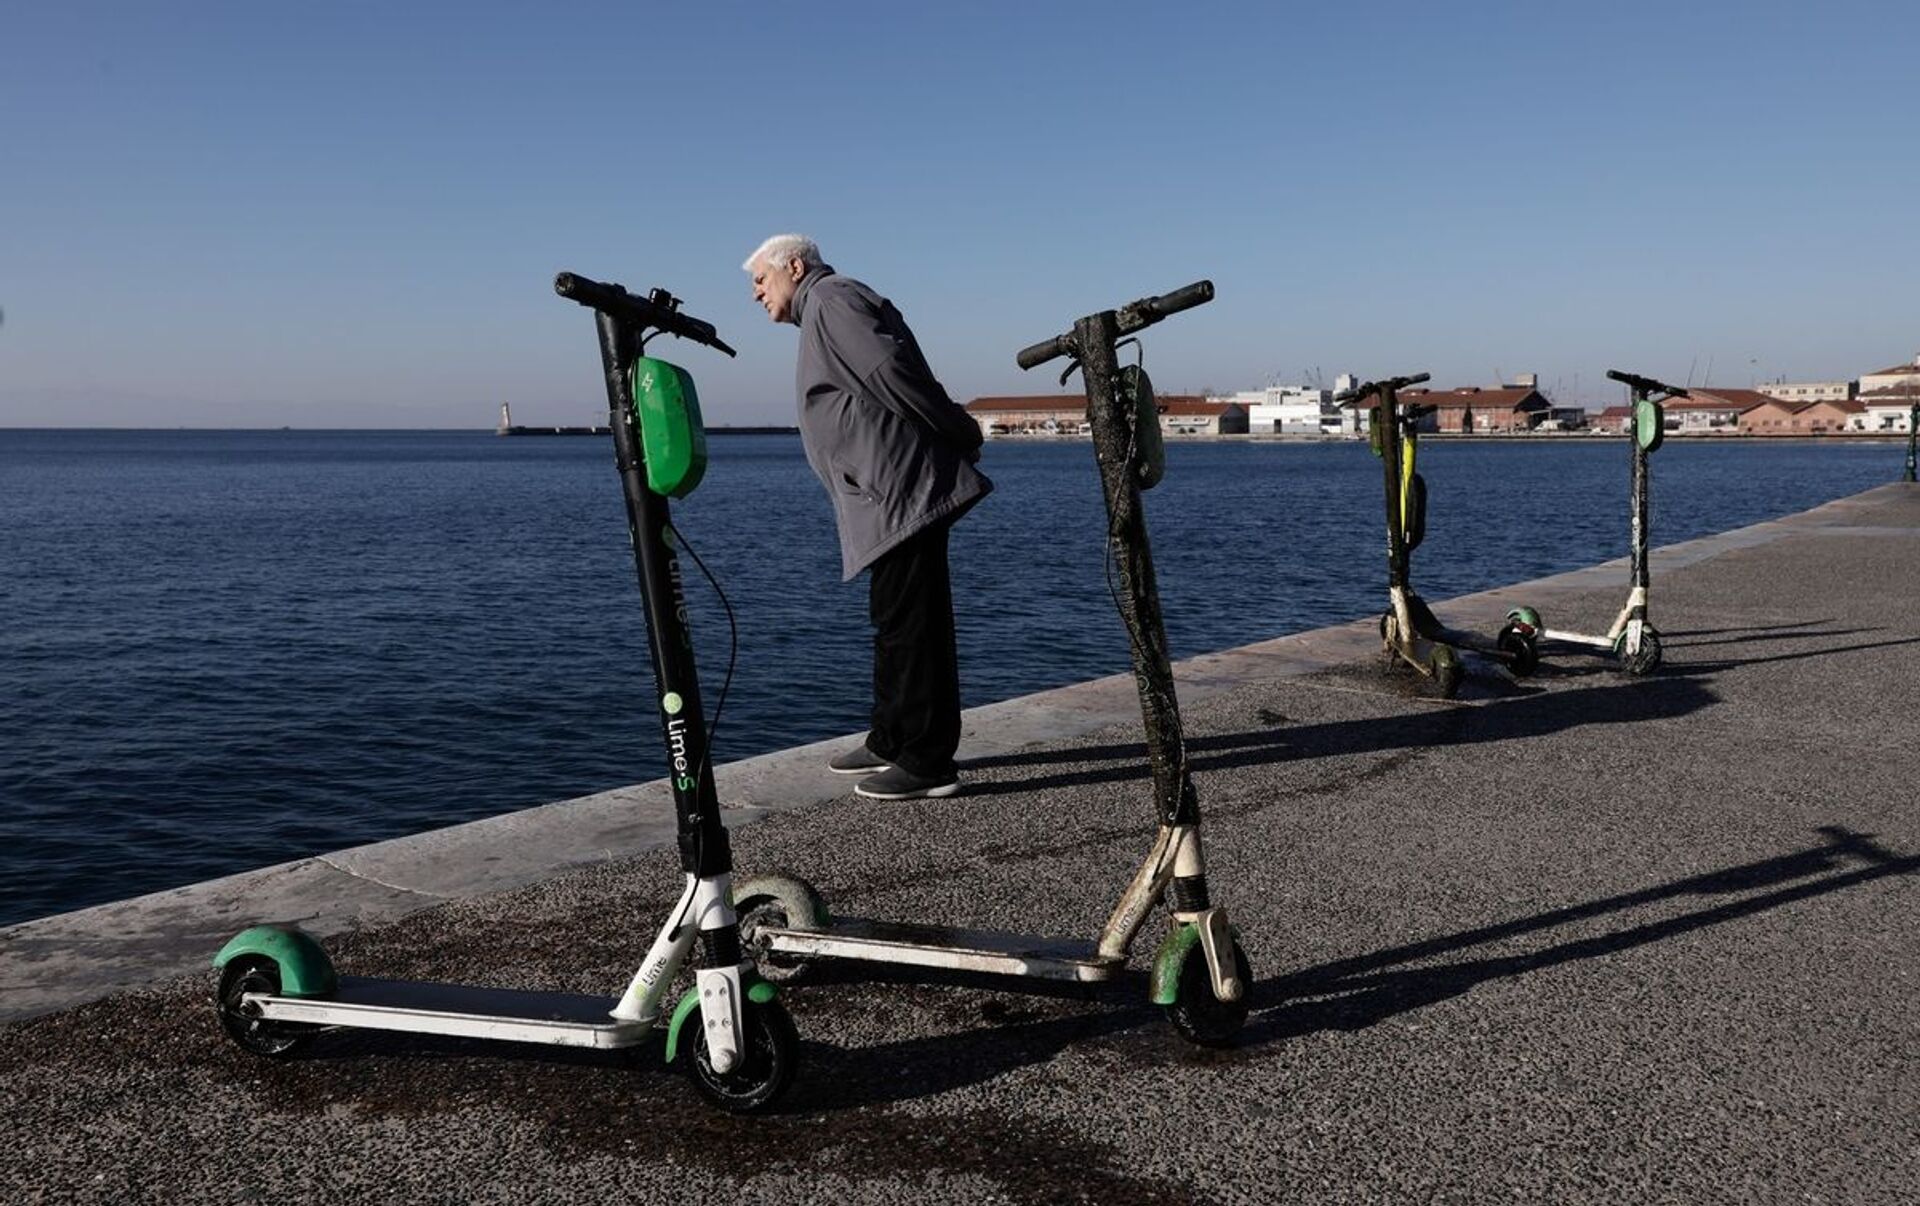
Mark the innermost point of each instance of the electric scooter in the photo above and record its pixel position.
(1913, 439)
(1410, 631)
(1631, 639)
(1200, 974)
(277, 984)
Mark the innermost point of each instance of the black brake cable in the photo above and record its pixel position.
(733, 652)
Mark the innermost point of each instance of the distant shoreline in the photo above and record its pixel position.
(1518, 437)
(520, 429)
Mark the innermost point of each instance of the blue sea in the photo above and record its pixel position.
(224, 649)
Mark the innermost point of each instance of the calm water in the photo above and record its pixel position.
(227, 649)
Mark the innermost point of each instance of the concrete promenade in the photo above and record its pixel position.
(1576, 939)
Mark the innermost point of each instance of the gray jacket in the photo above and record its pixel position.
(895, 453)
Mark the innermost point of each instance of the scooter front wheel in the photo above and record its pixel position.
(1196, 1013)
(1647, 659)
(766, 1066)
(256, 974)
(1444, 664)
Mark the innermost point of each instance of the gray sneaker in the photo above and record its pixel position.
(899, 783)
(858, 761)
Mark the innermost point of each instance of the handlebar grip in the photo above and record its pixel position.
(1045, 350)
(589, 292)
(1416, 379)
(1198, 293)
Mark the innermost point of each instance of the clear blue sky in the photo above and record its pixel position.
(349, 215)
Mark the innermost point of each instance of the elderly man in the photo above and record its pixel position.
(897, 458)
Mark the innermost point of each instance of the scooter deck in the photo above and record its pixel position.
(949, 947)
(562, 1019)
(1584, 640)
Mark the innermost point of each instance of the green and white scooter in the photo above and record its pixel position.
(1632, 639)
(277, 985)
(1200, 975)
(1409, 630)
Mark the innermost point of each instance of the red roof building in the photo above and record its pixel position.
(1472, 409)
(1777, 418)
(1066, 414)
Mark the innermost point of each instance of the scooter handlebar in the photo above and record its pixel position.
(1367, 388)
(609, 298)
(1646, 385)
(1129, 318)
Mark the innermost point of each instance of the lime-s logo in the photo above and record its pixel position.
(671, 703)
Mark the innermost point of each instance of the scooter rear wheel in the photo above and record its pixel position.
(766, 1067)
(274, 1040)
(769, 913)
(1196, 1013)
(1522, 650)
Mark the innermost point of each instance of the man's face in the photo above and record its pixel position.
(774, 285)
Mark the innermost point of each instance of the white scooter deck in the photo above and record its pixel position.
(948, 947)
(561, 1019)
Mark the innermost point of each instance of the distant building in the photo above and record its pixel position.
(1887, 397)
(1613, 419)
(1810, 391)
(1475, 410)
(1711, 411)
(1066, 414)
(1887, 410)
(1287, 410)
(1045, 414)
(1775, 417)
(1897, 377)
(1186, 415)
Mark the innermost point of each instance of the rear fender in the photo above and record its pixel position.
(305, 969)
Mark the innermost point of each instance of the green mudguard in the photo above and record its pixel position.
(305, 969)
(759, 992)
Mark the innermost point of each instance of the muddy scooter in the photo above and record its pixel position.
(1200, 974)
(1631, 639)
(278, 987)
(1913, 440)
(1410, 631)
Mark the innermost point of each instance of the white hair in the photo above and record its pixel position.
(783, 249)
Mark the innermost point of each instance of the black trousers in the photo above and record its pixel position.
(916, 669)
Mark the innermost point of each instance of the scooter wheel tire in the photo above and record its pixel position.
(1199, 1016)
(765, 1070)
(274, 1040)
(1645, 661)
(768, 913)
(1523, 653)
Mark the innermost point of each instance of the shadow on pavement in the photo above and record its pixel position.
(1026, 1023)
(1361, 991)
(1537, 715)
(1349, 994)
